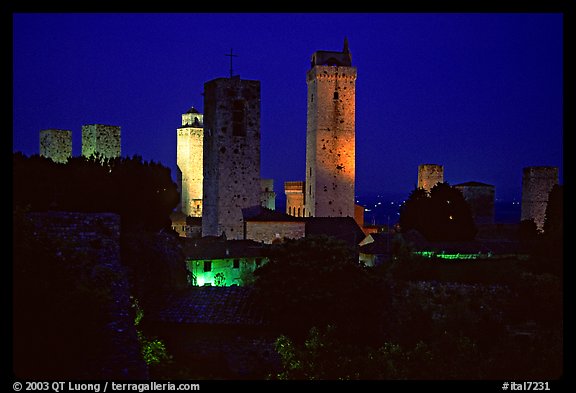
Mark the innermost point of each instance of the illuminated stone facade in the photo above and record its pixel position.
(294, 191)
(267, 194)
(429, 175)
(101, 139)
(189, 154)
(56, 145)
(330, 136)
(537, 182)
(231, 154)
(480, 197)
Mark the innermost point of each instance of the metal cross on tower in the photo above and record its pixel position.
(231, 55)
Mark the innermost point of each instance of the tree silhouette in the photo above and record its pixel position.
(440, 215)
(142, 192)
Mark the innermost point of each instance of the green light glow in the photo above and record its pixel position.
(457, 256)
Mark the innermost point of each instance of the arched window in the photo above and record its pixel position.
(298, 212)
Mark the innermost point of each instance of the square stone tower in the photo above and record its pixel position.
(101, 139)
(537, 182)
(429, 175)
(330, 135)
(56, 145)
(189, 158)
(231, 154)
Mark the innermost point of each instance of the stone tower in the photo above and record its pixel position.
(330, 135)
(429, 175)
(101, 139)
(480, 197)
(537, 182)
(56, 145)
(231, 154)
(267, 194)
(189, 153)
(294, 191)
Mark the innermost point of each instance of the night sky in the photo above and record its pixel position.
(481, 94)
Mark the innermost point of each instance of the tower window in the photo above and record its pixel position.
(298, 212)
(311, 97)
(239, 118)
(335, 95)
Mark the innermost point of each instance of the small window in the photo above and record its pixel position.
(311, 97)
(335, 95)
(238, 118)
(236, 264)
(207, 266)
(298, 212)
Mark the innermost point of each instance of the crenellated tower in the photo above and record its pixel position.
(330, 135)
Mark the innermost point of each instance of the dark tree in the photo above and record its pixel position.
(441, 215)
(318, 282)
(143, 193)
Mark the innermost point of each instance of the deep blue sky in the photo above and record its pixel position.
(480, 94)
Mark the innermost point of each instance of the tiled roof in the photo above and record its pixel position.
(218, 248)
(207, 306)
(260, 213)
(342, 228)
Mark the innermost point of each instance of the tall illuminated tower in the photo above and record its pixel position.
(189, 158)
(330, 135)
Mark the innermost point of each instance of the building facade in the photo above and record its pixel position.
(294, 191)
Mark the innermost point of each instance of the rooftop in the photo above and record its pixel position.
(231, 306)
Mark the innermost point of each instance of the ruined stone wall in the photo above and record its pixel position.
(56, 145)
(294, 191)
(101, 139)
(189, 158)
(429, 175)
(269, 231)
(481, 201)
(94, 238)
(330, 141)
(537, 182)
(231, 154)
(267, 194)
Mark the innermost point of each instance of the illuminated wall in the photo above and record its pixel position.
(56, 145)
(189, 158)
(330, 135)
(230, 270)
(294, 191)
(272, 231)
(101, 139)
(231, 154)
